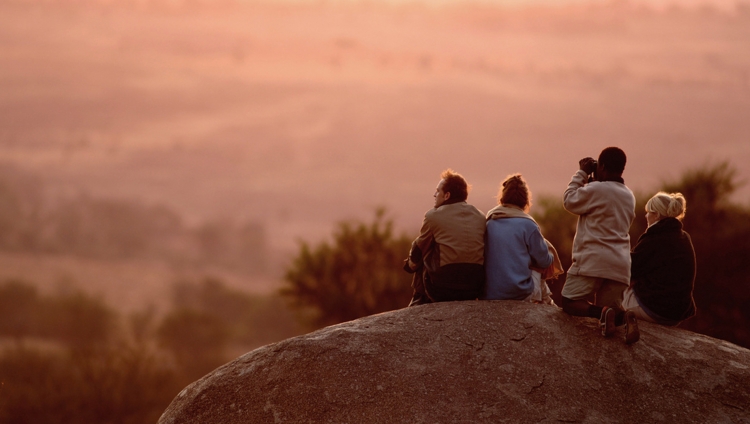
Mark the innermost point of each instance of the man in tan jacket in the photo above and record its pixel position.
(447, 258)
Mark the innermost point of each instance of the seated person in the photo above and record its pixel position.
(447, 258)
(516, 254)
(663, 265)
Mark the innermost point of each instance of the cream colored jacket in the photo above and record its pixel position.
(605, 210)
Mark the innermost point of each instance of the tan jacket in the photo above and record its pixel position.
(605, 210)
(451, 233)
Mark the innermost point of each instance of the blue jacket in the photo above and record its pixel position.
(512, 246)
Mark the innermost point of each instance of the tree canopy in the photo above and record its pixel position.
(358, 274)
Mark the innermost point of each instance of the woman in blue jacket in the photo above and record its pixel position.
(515, 251)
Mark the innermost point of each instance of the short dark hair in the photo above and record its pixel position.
(456, 185)
(613, 160)
(515, 191)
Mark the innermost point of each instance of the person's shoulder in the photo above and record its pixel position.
(473, 208)
(614, 188)
(431, 213)
(453, 210)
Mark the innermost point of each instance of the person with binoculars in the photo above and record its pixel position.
(601, 248)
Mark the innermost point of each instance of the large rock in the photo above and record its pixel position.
(475, 362)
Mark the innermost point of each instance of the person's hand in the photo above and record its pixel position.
(407, 266)
(587, 165)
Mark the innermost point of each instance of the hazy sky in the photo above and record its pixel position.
(299, 116)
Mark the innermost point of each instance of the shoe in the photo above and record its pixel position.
(607, 321)
(632, 334)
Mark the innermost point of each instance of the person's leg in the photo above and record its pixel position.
(574, 293)
(574, 301)
(632, 334)
(610, 294)
(630, 303)
(420, 295)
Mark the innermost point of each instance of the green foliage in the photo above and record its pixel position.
(720, 231)
(358, 275)
(558, 226)
(119, 384)
(19, 303)
(77, 319)
(20, 210)
(196, 339)
(252, 320)
(70, 362)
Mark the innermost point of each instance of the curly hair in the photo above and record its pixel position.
(456, 185)
(515, 191)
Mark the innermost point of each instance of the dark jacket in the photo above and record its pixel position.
(663, 271)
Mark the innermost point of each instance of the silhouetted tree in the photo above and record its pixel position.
(114, 384)
(720, 231)
(249, 319)
(19, 303)
(77, 320)
(359, 274)
(196, 339)
(21, 221)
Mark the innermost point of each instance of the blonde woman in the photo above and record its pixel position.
(663, 265)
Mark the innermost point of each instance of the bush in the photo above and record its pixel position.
(120, 384)
(358, 275)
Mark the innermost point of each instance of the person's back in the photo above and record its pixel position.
(456, 261)
(448, 255)
(512, 246)
(663, 265)
(601, 247)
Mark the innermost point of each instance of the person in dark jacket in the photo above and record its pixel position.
(447, 258)
(663, 265)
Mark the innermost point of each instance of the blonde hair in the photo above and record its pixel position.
(515, 191)
(670, 205)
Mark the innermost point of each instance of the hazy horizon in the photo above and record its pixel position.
(299, 116)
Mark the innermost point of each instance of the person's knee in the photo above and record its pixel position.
(567, 305)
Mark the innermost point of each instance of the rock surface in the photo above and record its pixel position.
(475, 362)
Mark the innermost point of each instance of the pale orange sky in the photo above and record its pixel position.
(302, 115)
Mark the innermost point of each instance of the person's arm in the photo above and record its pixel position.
(576, 198)
(420, 245)
(641, 256)
(541, 257)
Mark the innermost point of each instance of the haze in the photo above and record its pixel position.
(301, 114)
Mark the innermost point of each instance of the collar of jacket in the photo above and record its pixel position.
(665, 225)
(507, 211)
(613, 180)
(451, 202)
